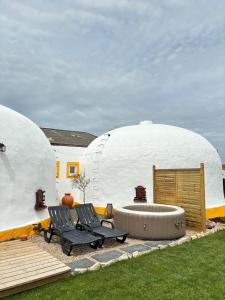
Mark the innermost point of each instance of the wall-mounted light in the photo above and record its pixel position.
(2, 147)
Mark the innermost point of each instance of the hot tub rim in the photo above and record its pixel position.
(176, 210)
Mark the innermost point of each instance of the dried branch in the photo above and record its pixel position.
(81, 183)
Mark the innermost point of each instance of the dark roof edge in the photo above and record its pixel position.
(68, 145)
(69, 130)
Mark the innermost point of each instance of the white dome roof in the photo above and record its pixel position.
(122, 159)
(27, 165)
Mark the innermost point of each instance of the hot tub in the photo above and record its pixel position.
(152, 222)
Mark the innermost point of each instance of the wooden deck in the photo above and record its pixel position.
(24, 265)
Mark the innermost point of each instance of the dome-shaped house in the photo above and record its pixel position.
(27, 164)
(121, 159)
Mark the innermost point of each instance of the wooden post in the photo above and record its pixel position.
(177, 185)
(153, 179)
(202, 195)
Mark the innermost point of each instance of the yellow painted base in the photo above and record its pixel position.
(17, 232)
(215, 212)
(13, 233)
(99, 210)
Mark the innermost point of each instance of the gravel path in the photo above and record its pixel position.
(80, 252)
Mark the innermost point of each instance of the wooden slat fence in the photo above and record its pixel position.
(184, 188)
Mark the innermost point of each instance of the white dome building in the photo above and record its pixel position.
(28, 164)
(121, 159)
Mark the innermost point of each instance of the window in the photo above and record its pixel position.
(57, 175)
(73, 169)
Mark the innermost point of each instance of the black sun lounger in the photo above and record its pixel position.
(63, 226)
(89, 220)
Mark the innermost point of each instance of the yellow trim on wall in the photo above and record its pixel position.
(14, 233)
(215, 212)
(57, 175)
(100, 210)
(72, 163)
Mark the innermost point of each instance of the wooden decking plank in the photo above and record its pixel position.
(11, 248)
(27, 272)
(2, 262)
(11, 251)
(24, 256)
(18, 244)
(18, 253)
(35, 277)
(14, 252)
(26, 245)
(12, 267)
(14, 243)
(23, 259)
(24, 265)
(22, 246)
(33, 284)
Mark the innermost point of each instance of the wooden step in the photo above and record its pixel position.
(23, 265)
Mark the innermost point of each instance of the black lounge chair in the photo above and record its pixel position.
(89, 220)
(63, 226)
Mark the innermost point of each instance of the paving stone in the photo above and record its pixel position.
(135, 248)
(81, 264)
(157, 243)
(107, 256)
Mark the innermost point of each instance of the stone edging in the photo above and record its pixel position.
(123, 255)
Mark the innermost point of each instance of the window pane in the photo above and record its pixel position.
(72, 170)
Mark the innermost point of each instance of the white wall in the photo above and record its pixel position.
(223, 172)
(27, 165)
(123, 158)
(63, 184)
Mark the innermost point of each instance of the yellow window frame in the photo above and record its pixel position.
(72, 163)
(57, 175)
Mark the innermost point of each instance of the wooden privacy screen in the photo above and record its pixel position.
(184, 188)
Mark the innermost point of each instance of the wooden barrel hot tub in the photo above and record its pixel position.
(152, 222)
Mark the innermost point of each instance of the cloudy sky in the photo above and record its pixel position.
(95, 65)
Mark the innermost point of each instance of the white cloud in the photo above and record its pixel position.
(93, 65)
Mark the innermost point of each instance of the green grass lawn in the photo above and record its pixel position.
(195, 270)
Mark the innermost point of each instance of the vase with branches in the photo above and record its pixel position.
(81, 183)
